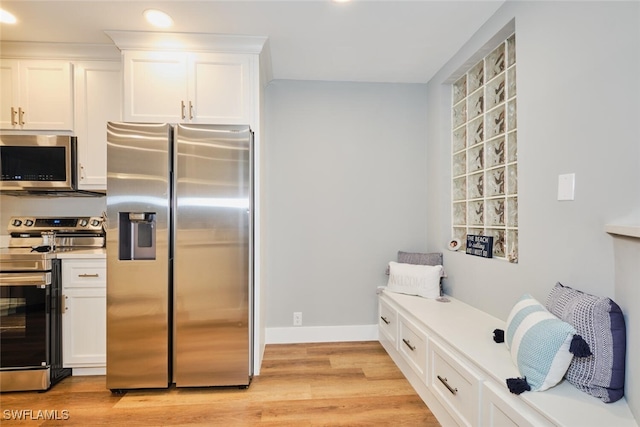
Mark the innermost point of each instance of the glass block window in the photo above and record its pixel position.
(485, 152)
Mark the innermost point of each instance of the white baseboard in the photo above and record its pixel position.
(305, 334)
(77, 372)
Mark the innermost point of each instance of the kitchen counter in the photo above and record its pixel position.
(94, 253)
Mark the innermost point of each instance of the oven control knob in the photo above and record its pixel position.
(95, 222)
(83, 222)
(16, 223)
(28, 222)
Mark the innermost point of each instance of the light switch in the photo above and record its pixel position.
(566, 186)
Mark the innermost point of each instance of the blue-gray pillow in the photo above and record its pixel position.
(601, 323)
(540, 345)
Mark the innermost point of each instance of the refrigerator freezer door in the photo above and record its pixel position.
(212, 255)
(138, 203)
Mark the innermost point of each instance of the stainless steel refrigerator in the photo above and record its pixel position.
(179, 255)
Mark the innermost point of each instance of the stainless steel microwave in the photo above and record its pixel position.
(38, 163)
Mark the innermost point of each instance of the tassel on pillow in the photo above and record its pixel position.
(498, 335)
(579, 347)
(518, 385)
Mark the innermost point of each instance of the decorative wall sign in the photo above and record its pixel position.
(481, 246)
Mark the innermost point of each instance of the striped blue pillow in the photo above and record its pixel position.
(539, 343)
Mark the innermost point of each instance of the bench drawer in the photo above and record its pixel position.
(388, 323)
(412, 344)
(502, 409)
(455, 384)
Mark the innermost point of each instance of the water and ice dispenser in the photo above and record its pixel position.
(137, 235)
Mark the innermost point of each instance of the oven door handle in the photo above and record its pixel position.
(39, 278)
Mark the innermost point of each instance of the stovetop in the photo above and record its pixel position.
(22, 226)
(71, 234)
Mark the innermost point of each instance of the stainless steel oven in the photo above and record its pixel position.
(30, 322)
(31, 297)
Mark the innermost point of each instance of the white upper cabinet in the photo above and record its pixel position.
(177, 87)
(36, 95)
(98, 87)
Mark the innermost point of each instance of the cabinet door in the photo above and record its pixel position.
(98, 100)
(46, 95)
(84, 327)
(84, 316)
(155, 86)
(220, 88)
(9, 85)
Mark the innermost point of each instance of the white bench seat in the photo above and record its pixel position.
(459, 340)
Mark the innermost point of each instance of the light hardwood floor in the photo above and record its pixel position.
(323, 384)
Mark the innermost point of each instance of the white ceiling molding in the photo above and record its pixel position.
(195, 42)
(44, 50)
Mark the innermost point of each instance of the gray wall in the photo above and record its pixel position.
(344, 191)
(578, 109)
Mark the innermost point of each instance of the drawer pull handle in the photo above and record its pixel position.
(446, 384)
(89, 275)
(408, 344)
(385, 320)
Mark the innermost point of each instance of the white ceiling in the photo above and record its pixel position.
(364, 40)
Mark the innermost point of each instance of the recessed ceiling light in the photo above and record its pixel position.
(7, 18)
(158, 18)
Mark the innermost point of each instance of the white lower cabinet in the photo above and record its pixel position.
(84, 327)
(455, 385)
(500, 409)
(412, 345)
(388, 323)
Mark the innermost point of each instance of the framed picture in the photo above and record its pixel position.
(454, 244)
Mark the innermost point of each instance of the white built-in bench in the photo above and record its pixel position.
(447, 352)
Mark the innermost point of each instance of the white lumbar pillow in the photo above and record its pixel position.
(412, 279)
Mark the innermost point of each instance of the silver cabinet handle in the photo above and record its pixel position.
(446, 384)
(13, 116)
(89, 275)
(190, 111)
(21, 116)
(385, 320)
(182, 109)
(408, 344)
(64, 304)
(82, 171)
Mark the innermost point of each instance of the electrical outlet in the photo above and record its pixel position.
(297, 318)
